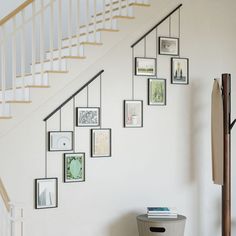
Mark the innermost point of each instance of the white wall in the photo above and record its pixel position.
(8, 6)
(168, 162)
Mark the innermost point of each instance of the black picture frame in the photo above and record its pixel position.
(184, 74)
(42, 197)
(151, 101)
(165, 51)
(95, 153)
(88, 108)
(65, 160)
(136, 64)
(66, 140)
(133, 117)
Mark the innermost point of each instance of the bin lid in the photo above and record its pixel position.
(145, 218)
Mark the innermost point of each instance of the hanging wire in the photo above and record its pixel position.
(46, 150)
(179, 29)
(133, 65)
(170, 26)
(156, 49)
(100, 101)
(60, 119)
(74, 120)
(87, 96)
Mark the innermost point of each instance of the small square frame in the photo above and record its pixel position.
(133, 116)
(180, 72)
(161, 91)
(90, 111)
(171, 46)
(73, 167)
(150, 63)
(97, 141)
(60, 141)
(47, 194)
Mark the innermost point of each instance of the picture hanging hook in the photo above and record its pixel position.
(232, 124)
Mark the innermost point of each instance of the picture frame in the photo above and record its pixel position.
(145, 66)
(87, 116)
(46, 193)
(169, 46)
(133, 113)
(74, 167)
(156, 92)
(179, 70)
(60, 141)
(101, 142)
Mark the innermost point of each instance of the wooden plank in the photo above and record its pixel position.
(15, 12)
(4, 195)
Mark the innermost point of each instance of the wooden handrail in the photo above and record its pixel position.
(15, 12)
(4, 195)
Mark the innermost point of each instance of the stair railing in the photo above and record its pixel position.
(11, 215)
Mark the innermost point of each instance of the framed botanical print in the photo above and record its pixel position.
(157, 92)
(179, 70)
(145, 66)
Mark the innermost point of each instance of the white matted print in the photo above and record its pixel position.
(145, 66)
(60, 141)
(133, 113)
(168, 46)
(46, 193)
(101, 142)
(179, 71)
(88, 116)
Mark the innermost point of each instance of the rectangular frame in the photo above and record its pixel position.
(172, 51)
(96, 142)
(138, 60)
(133, 120)
(76, 167)
(88, 109)
(182, 71)
(62, 138)
(158, 93)
(44, 196)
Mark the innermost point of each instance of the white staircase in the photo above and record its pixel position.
(44, 38)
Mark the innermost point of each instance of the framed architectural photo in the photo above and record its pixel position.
(46, 193)
(100, 142)
(88, 116)
(180, 71)
(145, 66)
(74, 167)
(60, 141)
(133, 113)
(157, 92)
(168, 46)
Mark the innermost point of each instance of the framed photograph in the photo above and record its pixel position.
(145, 66)
(133, 113)
(168, 46)
(100, 142)
(60, 141)
(88, 116)
(157, 92)
(179, 70)
(46, 193)
(74, 167)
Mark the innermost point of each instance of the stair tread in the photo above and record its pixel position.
(45, 72)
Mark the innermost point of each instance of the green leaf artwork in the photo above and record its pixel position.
(157, 92)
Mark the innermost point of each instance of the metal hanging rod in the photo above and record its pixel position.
(73, 95)
(232, 124)
(154, 27)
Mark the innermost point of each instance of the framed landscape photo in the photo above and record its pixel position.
(180, 71)
(60, 141)
(145, 66)
(133, 113)
(74, 167)
(100, 142)
(46, 193)
(168, 46)
(157, 92)
(87, 116)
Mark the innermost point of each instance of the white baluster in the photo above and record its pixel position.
(23, 51)
(111, 12)
(42, 41)
(59, 33)
(3, 68)
(78, 27)
(104, 14)
(70, 26)
(33, 42)
(87, 18)
(95, 19)
(120, 7)
(12, 223)
(22, 221)
(14, 59)
(127, 7)
(51, 32)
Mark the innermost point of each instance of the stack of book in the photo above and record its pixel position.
(162, 212)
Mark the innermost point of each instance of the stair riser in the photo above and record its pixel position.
(48, 66)
(20, 95)
(33, 81)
